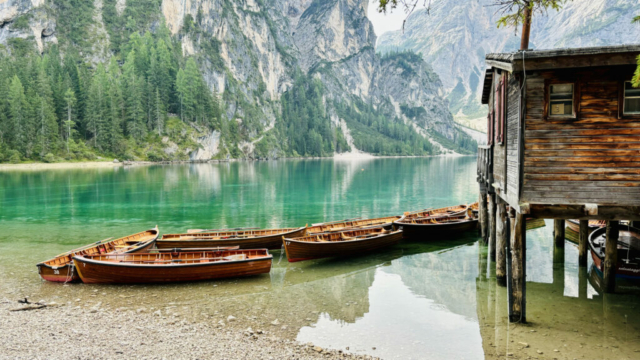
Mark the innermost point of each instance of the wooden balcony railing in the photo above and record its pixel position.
(485, 167)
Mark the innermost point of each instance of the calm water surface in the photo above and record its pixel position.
(419, 300)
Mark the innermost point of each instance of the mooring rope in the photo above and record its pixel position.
(70, 270)
(281, 251)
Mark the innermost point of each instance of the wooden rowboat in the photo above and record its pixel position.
(172, 267)
(419, 228)
(344, 243)
(246, 239)
(475, 207)
(351, 224)
(441, 212)
(61, 268)
(593, 225)
(628, 251)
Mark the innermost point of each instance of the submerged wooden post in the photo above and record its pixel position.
(558, 268)
(518, 270)
(558, 232)
(502, 236)
(610, 257)
(582, 283)
(492, 227)
(484, 221)
(582, 243)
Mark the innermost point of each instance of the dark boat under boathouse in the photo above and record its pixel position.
(563, 143)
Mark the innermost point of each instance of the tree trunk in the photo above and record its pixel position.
(526, 28)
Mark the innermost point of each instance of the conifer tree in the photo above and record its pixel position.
(181, 88)
(133, 98)
(70, 101)
(97, 110)
(192, 87)
(18, 113)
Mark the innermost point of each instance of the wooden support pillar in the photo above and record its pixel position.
(610, 257)
(518, 273)
(558, 269)
(583, 280)
(502, 236)
(582, 243)
(492, 227)
(558, 232)
(484, 221)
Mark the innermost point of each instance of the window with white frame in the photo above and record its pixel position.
(631, 99)
(561, 100)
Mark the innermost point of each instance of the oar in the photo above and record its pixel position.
(192, 231)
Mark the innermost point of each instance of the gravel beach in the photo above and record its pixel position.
(68, 331)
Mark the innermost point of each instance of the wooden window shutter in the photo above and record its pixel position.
(503, 109)
(490, 127)
(497, 111)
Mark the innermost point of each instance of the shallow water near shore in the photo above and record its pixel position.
(418, 300)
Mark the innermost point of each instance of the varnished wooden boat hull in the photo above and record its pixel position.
(300, 250)
(385, 222)
(424, 231)
(449, 211)
(262, 242)
(628, 271)
(103, 272)
(67, 273)
(575, 226)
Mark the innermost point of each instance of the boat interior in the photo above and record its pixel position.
(350, 224)
(447, 211)
(178, 258)
(349, 235)
(628, 245)
(437, 220)
(221, 235)
(121, 245)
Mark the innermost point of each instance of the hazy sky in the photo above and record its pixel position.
(383, 23)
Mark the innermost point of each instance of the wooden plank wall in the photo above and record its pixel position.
(511, 141)
(594, 158)
(499, 151)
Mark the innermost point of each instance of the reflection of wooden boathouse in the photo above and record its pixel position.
(563, 143)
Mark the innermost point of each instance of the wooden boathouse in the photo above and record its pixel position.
(563, 143)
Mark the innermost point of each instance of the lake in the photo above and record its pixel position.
(417, 300)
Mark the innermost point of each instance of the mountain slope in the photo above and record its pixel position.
(457, 34)
(250, 54)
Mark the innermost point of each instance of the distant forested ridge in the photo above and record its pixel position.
(53, 107)
(140, 80)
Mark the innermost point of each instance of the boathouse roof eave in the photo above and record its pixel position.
(486, 87)
(565, 58)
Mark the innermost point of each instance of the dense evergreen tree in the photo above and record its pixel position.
(57, 105)
(70, 101)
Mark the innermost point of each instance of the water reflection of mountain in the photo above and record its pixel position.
(448, 277)
(337, 287)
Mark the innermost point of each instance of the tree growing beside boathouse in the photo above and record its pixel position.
(513, 12)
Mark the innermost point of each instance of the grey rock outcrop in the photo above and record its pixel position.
(249, 52)
(455, 36)
(26, 18)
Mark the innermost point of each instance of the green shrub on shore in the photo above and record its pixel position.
(49, 158)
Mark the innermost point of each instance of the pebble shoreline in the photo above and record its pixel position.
(65, 331)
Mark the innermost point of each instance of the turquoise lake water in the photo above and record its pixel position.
(419, 300)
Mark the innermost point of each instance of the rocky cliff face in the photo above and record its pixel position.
(249, 52)
(336, 43)
(26, 18)
(457, 34)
